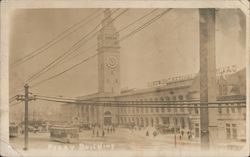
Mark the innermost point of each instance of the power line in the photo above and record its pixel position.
(71, 50)
(56, 39)
(54, 97)
(123, 38)
(63, 71)
(139, 19)
(119, 31)
(18, 102)
(145, 104)
(145, 25)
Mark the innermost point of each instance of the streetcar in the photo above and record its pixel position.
(13, 130)
(65, 134)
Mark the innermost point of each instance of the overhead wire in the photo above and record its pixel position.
(71, 50)
(90, 57)
(55, 40)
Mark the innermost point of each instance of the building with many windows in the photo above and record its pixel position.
(165, 93)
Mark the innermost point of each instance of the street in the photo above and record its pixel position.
(121, 139)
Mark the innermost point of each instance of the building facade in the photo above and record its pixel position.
(231, 121)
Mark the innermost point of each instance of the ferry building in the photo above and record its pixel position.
(231, 121)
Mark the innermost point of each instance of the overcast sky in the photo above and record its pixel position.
(168, 47)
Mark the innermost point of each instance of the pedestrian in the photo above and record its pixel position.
(154, 133)
(103, 133)
(182, 132)
(97, 134)
(180, 136)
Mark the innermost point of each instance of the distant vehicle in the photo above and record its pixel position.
(33, 129)
(66, 134)
(13, 130)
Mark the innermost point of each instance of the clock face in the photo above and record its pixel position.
(112, 61)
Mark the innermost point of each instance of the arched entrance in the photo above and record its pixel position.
(107, 118)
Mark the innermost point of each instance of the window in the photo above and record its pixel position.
(142, 110)
(157, 120)
(180, 97)
(169, 109)
(167, 98)
(182, 109)
(174, 98)
(234, 130)
(233, 108)
(227, 108)
(175, 109)
(137, 110)
(129, 110)
(238, 108)
(161, 99)
(219, 109)
(133, 110)
(157, 109)
(196, 109)
(165, 120)
(162, 109)
(220, 90)
(228, 131)
(146, 110)
(146, 121)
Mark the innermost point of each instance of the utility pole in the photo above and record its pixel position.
(26, 100)
(208, 117)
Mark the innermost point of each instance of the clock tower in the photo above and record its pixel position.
(108, 56)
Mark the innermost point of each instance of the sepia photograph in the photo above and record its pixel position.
(127, 81)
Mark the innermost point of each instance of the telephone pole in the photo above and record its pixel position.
(26, 98)
(208, 117)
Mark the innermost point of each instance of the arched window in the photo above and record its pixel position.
(167, 98)
(161, 98)
(133, 119)
(182, 121)
(180, 97)
(142, 121)
(107, 113)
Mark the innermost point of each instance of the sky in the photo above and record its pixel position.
(168, 47)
